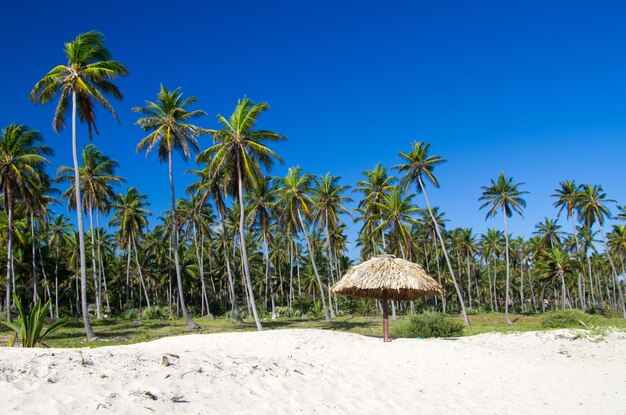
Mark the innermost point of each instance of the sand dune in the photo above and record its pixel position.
(316, 371)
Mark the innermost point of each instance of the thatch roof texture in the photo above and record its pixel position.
(404, 280)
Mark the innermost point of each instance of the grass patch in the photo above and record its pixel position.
(118, 331)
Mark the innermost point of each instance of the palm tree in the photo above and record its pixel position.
(296, 186)
(418, 164)
(21, 164)
(59, 230)
(209, 185)
(239, 152)
(167, 122)
(97, 174)
(555, 263)
(622, 213)
(549, 231)
(131, 217)
(506, 196)
(329, 199)
(397, 212)
(85, 79)
(262, 201)
(568, 199)
(593, 211)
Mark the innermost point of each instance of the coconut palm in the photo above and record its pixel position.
(239, 153)
(417, 165)
(549, 230)
(131, 217)
(84, 80)
(295, 190)
(97, 175)
(209, 186)
(555, 263)
(21, 162)
(167, 121)
(329, 199)
(59, 230)
(593, 210)
(506, 196)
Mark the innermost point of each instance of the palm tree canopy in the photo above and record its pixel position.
(21, 159)
(418, 164)
(592, 205)
(503, 194)
(167, 121)
(87, 73)
(97, 174)
(567, 197)
(237, 145)
(130, 214)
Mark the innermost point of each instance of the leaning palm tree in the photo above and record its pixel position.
(416, 165)
(21, 164)
(85, 80)
(238, 154)
(506, 196)
(167, 121)
(593, 210)
(97, 175)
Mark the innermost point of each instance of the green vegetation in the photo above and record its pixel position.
(29, 327)
(119, 331)
(570, 318)
(430, 325)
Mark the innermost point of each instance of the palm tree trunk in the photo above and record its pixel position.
(312, 258)
(330, 267)
(445, 254)
(56, 281)
(93, 265)
(141, 280)
(81, 237)
(102, 277)
(231, 282)
(615, 274)
(34, 259)
(179, 280)
(267, 275)
(469, 282)
(583, 304)
(9, 209)
(244, 252)
(508, 271)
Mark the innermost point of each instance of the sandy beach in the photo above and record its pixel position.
(316, 371)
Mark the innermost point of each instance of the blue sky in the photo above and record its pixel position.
(534, 89)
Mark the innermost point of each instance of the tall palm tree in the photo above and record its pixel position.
(131, 217)
(506, 196)
(97, 175)
(397, 212)
(550, 231)
(21, 162)
(85, 80)
(329, 199)
(209, 186)
(568, 199)
(239, 152)
(295, 190)
(416, 165)
(262, 200)
(555, 263)
(167, 121)
(593, 211)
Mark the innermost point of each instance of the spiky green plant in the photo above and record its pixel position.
(30, 326)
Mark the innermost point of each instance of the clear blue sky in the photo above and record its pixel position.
(534, 89)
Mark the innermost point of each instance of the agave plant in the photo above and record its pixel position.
(30, 325)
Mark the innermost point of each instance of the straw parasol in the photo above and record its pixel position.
(387, 277)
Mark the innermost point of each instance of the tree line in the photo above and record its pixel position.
(247, 244)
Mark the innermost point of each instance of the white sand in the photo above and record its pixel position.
(315, 371)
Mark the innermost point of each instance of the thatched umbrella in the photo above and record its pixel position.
(387, 277)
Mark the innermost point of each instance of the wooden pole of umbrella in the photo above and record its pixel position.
(386, 277)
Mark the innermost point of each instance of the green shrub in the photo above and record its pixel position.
(155, 313)
(29, 327)
(430, 325)
(569, 319)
